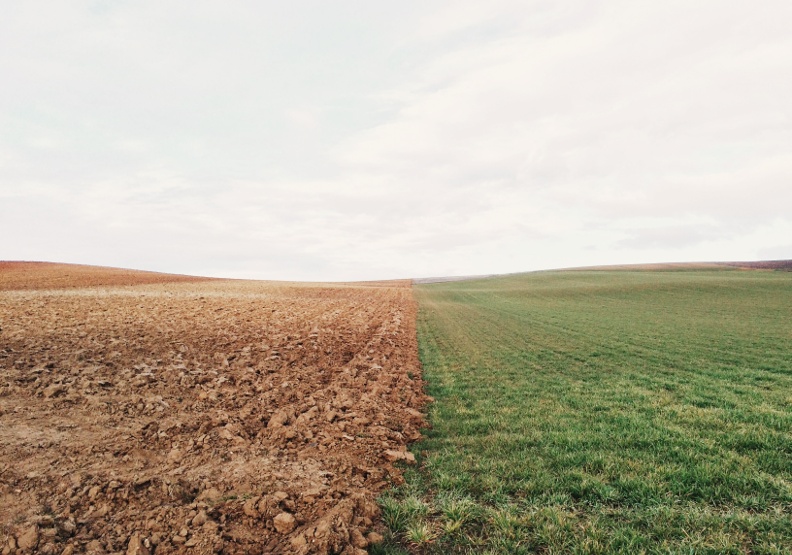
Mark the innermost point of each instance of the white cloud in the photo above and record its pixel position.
(363, 141)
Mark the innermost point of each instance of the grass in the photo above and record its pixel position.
(603, 412)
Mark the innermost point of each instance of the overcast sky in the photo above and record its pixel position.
(316, 140)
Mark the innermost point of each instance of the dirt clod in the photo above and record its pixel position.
(284, 523)
(28, 539)
(136, 546)
(394, 455)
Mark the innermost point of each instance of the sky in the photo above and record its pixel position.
(355, 140)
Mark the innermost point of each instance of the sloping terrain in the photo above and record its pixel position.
(200, 416)
(693, 266)
(603, 412)
(784, 265)
(764, 265)
(48, 275)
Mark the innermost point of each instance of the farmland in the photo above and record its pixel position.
(603, 412)
(147, 413)
(589, 411)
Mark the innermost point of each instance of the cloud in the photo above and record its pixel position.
(366, 141)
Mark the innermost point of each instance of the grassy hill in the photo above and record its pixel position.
(603, 412)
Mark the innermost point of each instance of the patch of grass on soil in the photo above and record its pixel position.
(603, 412)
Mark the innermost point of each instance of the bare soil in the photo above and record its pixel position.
(48, 275)
(785, 265)
(145, 413)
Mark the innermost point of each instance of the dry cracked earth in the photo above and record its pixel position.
(145, 413)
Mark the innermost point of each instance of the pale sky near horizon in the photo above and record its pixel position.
(315, 140)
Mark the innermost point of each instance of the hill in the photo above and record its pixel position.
(49, 275)
(604, 411)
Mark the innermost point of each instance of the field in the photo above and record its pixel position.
(587, 411)
(144, 413)
(603, 412)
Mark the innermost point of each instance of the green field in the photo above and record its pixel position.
(603, 412)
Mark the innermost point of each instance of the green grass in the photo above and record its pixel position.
(603, 412)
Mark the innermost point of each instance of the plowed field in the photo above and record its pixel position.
(145, 413)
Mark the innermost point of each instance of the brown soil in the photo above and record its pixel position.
(48, 275)
(202, 416)
(764, 265)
